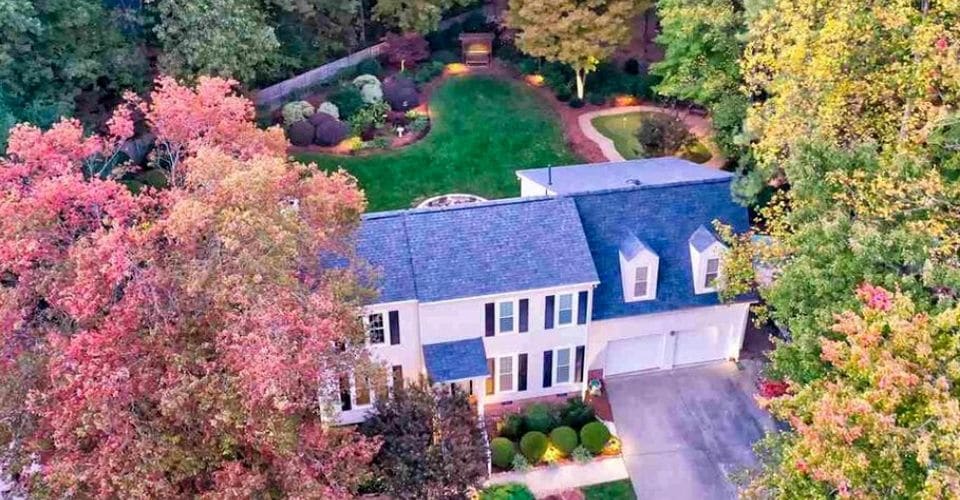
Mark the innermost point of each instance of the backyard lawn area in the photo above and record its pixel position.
(621, 130)
(483, 129)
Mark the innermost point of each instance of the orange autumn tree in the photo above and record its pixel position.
(179, 342)
(884, 422)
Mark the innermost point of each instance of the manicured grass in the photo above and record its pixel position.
(483, 130)
(621, 129)
(615, 490)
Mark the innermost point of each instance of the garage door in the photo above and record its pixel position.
(699, 346)
(634, 354)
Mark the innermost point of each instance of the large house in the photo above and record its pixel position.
(596, 268)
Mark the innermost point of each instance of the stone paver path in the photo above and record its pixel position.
(548, 480)
(698, 125)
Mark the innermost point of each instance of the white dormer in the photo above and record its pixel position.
(706, 252)
(638, 270)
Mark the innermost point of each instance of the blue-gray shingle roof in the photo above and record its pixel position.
(702, 238)
(616, 175)
(456, 360)
(664, 218)
(477, 249)
(631, 246)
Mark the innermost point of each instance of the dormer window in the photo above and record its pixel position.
(706, 251)
(638, 269)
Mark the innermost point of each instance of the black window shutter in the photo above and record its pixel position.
(524, 315)
(578, 367)
(548, 313)
(345, 393)
(547, 368)
(490, 318)
(397, 377)
(522, 372)
(582, 308)
(394, 327)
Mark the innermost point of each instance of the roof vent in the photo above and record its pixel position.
(635, 182)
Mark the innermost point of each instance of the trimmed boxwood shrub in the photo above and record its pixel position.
(533, 445)
(427, 72)
(295, 111)
(564, 438)
(502, 451)
(538, 417)
(401, 94)
(577, 413)
(512, 427)
(369, 67)
(510, 491)
(329, 108)
(300, 133)
(330, 132)
(594, 436)
(348, 100)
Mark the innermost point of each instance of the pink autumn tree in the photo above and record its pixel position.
(176, 343)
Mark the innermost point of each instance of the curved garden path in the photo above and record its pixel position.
(698, 125)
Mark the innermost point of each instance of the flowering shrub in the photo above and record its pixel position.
(772, 388)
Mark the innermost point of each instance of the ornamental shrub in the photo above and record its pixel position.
(427, 72)
(502, 451)
(370, 117)
(401, 94)
(576, 413)
(367, 79)
(596, 99)
(539, 417)
(533, 445)
(445, 57)
(300, 133)
(581, 455)
(512, 427)
(563, 95)
(348, 100)
(661, 134)
(509, 491)
(575, 103)
(296, 111)
(331, 131)
(329, 108)
(564, 438)
(408, 49)
(369, 67)
(520, 463)
(528, 65)
(371, 94)
(594, 436)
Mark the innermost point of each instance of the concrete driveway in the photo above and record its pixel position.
(685, 431)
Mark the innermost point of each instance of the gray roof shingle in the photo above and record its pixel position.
(624, 174)
(456, 360)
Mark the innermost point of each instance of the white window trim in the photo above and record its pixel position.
(706, 273)
(646, 281)
(515, 373)
(516, 317)
(699, 262)
(574, 300)
(628, 276)
(571, 362)
(365, 319)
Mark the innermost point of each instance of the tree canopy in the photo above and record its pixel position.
(419, 16)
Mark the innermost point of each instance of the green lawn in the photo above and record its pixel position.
(483, 130)
(621, 128)
(615, 490)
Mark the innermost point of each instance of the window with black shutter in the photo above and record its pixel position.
(578, 364)
(548, 312)
(394, 327)
(522, 373)
(490, 317)
(345, 399)
(524, 320)
(582, 308)
(547, 368)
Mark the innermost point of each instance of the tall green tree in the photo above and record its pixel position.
(310, 33)
(228, 38)
(420, 16)
(578, 33)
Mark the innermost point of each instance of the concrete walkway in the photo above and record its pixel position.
(548, 480)
(698, 125)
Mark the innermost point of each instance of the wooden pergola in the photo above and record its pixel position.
(477, 48)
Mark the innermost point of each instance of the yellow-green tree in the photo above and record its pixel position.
(850, 71)
(578, 33)
(420, 16)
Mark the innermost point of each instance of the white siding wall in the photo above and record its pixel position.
(464, 319)
(530, 188)
(730, 318)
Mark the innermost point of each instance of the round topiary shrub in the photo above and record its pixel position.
(348, 100)
(533, 445)
(565, 439)
(296, 111)
(594, 436)
(329, 108)
(370, 66)
(401, 94)
(364, 80)
(502, 452)
(330, 132)
(300, 133)
(512, 426)
(538, 417)
(371, 94)
(575, 103)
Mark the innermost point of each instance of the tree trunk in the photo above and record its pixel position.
(581, 81)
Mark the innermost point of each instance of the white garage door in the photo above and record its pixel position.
(699, 346)
(634, 354)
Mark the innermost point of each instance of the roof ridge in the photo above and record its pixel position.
(517, 200)
(644, 187)
(413, 266)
